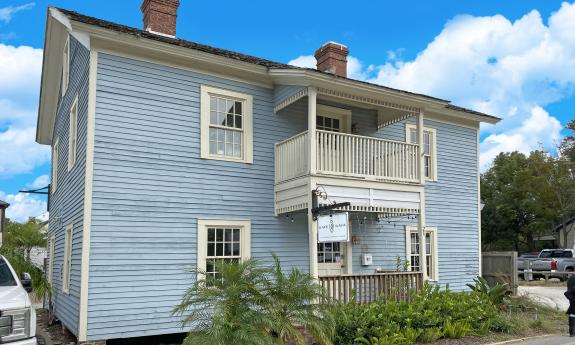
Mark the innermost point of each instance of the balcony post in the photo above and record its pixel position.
(421, 217)
(311, 126)
(421, 161)
(312, 233)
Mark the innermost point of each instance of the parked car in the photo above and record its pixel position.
(17, 314)
(549, 260)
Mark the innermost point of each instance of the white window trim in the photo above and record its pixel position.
(68, 243)
(51, 253)
(73, 134)
(66, 67)
(343, 115)
(55, 154)
(434, 239)
(408, 128)
(206, 92)
(202, 237)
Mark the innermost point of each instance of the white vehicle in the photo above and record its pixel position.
(17, 315)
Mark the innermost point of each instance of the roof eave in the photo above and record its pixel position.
(54, 42)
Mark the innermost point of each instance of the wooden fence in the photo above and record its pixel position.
(366, 288)
(500, 267)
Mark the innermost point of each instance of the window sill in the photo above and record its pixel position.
(227, 159)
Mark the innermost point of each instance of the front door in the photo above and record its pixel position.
(331, 258)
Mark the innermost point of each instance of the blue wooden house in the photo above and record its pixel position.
(169, 154)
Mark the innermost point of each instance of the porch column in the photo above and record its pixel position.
(312, 200)
(421, 217)
(311, 126)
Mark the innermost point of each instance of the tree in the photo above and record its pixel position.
(25, 236)
(513, 215)
(567, 147)
(246, 303)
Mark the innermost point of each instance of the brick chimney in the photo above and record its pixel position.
(332, 58)
(160, 16)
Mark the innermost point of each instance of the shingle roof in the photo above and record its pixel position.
(78, 17)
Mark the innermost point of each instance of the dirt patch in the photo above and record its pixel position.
(53, 334)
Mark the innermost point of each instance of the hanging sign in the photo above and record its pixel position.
(333, 228)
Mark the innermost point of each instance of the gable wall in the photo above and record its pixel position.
(67, 203)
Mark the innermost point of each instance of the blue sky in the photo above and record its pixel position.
(514, 59)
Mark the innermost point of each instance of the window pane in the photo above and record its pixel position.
(211, 234)
(227, 249)
(213, 103)
(209, 266)
(228, 235)
(219, 249)
(336, 124)
(222, 105)
(211, 249)
(221, 118)
(213, 117)
(236, 249)
(220, 235)
(413, 136)
(236, 235)
(238, 123)
(230, 120)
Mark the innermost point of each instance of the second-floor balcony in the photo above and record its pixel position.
(346, 155)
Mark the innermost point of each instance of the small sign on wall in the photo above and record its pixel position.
(333, 228)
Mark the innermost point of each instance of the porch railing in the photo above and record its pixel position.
(365, 157)
(348, 155)
(367, 288)
(292, 157)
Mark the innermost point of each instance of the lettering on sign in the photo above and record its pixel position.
(333, 228)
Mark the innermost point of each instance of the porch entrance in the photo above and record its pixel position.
(331, 258)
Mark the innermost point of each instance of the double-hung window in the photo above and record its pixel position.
(429, 149)
(226, 125)
(67, 258)
(51, 252)
(221, 241)
(413, 246)
(55, 153)
(73, 134)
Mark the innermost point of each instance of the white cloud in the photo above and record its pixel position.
(306, 61)
(19, 88)
(40, 181)
(23, 206)
(7, 13)
(19, 152)
(511, 69)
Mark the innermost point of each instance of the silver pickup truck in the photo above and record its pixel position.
(549, 260)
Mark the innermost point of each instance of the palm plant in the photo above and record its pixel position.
(246, 303)
(293, 304)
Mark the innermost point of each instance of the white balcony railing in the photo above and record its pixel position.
(348, 155)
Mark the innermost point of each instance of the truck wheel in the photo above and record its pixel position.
(566, 276)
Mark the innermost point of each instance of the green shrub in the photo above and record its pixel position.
(430, 335)
(497, 293)
(456, 329)
(431, 308)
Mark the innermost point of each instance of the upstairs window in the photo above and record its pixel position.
(73, 134)
(65, 67)
(429, 149)
(55, 149)
(226, 121)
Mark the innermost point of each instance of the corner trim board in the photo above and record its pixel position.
(88, 182)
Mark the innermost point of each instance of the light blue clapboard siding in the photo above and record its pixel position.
(282, 92)
(151, 186)
(451, 205)
(67, 203)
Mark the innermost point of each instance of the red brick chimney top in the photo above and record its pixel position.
(160, 16)
(332, 58)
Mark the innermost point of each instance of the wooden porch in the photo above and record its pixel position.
(367, 288)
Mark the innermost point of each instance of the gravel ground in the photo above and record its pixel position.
(551, 296)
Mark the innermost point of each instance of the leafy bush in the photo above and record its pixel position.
(430, 335)
(429, 312)
(21, 264)
(497, 293)
(456, 329)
